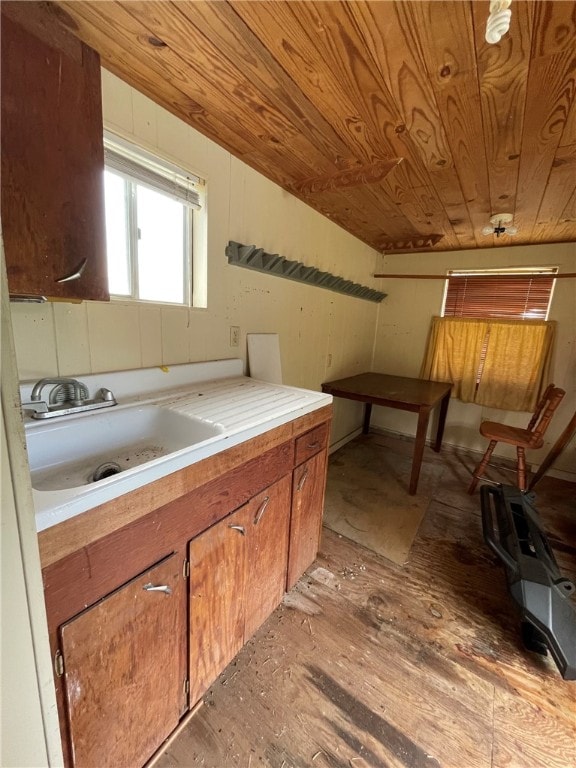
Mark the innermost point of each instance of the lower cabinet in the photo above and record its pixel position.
(155, 637)
(308, 486)
(237, 578)
(123, 692)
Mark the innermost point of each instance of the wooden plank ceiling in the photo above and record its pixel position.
(394, 119)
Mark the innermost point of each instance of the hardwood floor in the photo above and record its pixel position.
(368, 663)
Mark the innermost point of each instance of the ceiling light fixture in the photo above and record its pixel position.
(498, 22)
(500, 225)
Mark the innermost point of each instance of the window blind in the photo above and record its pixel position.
(506, 295)
(163, 178)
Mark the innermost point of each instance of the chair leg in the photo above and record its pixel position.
(521, 467)
(480, 469)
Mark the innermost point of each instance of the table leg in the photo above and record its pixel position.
(367, 414)
(423, 418)
(441, 422)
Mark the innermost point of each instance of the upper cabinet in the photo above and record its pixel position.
(52, 203)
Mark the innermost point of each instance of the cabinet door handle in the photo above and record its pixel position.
(74, 275)
(302, 480)
(158, 588)
(239, 528)
(261, 510)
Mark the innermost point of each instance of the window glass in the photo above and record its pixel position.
(161, 247)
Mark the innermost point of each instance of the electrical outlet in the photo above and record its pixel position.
(234, 336)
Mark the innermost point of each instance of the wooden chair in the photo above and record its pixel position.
(531, 437)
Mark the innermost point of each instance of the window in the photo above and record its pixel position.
(499, 293)
(493, 341)
(150, 217)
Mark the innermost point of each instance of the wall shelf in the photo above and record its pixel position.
(251, 257)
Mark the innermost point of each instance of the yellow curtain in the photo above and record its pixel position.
(453, 353)
(497, 363)
(517, 364)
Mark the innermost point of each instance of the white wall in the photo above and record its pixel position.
(404, 320)
(313, 323)
(22, 741)
(29, 732)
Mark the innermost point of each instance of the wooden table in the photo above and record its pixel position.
(417, 395)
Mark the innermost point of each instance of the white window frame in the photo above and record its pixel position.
(138, 166)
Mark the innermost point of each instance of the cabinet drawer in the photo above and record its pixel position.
(311, 443)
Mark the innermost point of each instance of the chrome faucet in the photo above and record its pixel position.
(76, 388)
(66, 396)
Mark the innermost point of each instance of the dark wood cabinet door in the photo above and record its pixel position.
(267, 553)
(308, 485)
(217, 598)
(52, 166)
(123, 688)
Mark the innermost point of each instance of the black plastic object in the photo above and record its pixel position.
(512, 529)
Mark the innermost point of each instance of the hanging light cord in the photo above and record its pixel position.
(498, 22)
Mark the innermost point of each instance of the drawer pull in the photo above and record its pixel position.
(75, 275)
(158, 588)
(239, 528)
(313, 446)
(302, 480)
(261, 510)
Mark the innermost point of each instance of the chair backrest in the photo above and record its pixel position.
(543, 414)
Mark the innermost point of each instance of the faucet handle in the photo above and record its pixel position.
(106, 395)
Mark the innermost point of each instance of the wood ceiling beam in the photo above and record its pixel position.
(366, 174)
(414, 244)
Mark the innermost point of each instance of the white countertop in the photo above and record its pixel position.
(215, 393)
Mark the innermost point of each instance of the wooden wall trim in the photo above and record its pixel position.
(446, 277)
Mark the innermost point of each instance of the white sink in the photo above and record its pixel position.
(167, 419)
(66, 452)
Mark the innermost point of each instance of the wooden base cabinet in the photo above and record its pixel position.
(308, 485)
(123, 690)
(143, 618)
(237, 578)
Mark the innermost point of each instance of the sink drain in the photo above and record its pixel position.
(107, 469)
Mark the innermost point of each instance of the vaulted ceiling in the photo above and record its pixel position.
(395, 119)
